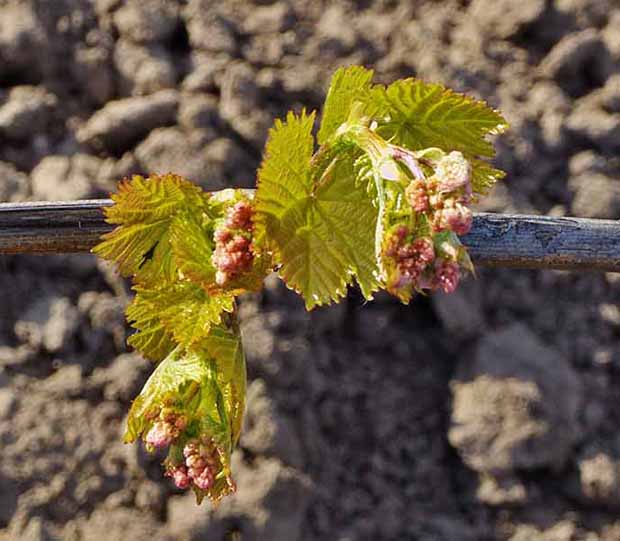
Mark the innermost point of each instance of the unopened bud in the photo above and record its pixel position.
(159, 435)
(205, 479)
(447, 276)
(179, 476)
(453, 172)
(456, 217)
(418, 196)
(240, 216)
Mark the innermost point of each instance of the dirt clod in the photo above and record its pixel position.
(488, 415)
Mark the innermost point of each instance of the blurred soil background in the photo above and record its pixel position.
(491, 414)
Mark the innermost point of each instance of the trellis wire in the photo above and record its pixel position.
(499, 240)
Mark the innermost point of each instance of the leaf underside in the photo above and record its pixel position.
(176, 370)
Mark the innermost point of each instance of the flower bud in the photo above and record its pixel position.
(401, 232)
(221, 278)
(425, 250)
(456, 217)
(195, 462)
(417, 196)
(407, 260)
(239, 244)
(233, 252)
(200, 463)
(205, 479)
(222, 235)
(446, 276)
(240, 216)
(159, 435)
(190, 449)
(179, 476)
(453, 172)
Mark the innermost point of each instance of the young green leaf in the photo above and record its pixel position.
(347, 86)
(321, 230)
(422, 115)
(185, 310)
(128, 246)
(158, 197)
(192, 248)
(159, 265)
(198, 396)
(164, 387)
(152, 339)
(285, 175)
(484, 176)
(224, 346)
(144, 209)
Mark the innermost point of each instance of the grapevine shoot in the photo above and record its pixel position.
(378, 200)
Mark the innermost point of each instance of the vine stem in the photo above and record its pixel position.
(498, 240)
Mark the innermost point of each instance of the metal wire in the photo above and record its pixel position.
(500, 240)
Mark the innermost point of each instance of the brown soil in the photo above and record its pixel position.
(491, 414)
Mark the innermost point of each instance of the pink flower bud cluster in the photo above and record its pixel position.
(412, 264)
(418, 195)
(200, 466)
(179, 476)
(454, 216)
(415, 265)
(445, 195)
(233, 253)
(446, 276)
(166, 429)
(410, 258)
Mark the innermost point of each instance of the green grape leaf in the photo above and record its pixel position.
(194, 312)
(484, 176)
(347, 86)
(152, 339)
(206, 386)
(192, 248)
(147, 200)
(233, 395)
(159, 265)
(143, 210)
(129, 246)
(322, 232)
(184, 309)
(224, 346)
(419, 115)
(285, 174)
(187, 381)
(178, 369)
